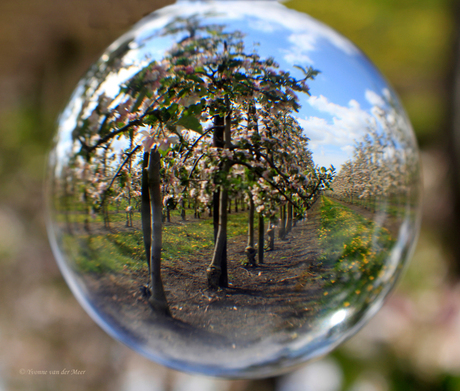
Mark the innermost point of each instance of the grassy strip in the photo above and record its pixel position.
(356, 251)
(106, 253)
(80, 217)
(115, 252)
(393, 206)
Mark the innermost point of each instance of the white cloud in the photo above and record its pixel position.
(301, 45)
(296, 58)
(374, 98)
(387, 94)
(303, 41)
(348, 149)
(263, 26)
(338, 134)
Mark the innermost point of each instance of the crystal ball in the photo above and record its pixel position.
(234, 188)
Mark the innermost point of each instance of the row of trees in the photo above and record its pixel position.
(383, 167)
(208, 123)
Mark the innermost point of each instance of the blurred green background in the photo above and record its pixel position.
(414, 341)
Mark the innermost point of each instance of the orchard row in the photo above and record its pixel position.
(208, 124)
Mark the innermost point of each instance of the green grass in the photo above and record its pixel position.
(394, 206)
(185, 240)
(80, 217)
(356, 250)
(106, 253)
(181, 242)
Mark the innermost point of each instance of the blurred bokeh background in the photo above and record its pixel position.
(414, 341)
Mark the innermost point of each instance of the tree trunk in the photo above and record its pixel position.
(218, 141)
(215, 214)
(217, 274)
(182, 210)
(195, 208)
(250, 250)
(215, 269)
(271, 237)
(289, 218)
(145, 209)
(223, 279)
(282, 230)
(157, 300)
(261, 239)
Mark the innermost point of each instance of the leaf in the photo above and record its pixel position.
(173, 108)
(139, 100)
(162, 152)
(190, 122)
(310, 73)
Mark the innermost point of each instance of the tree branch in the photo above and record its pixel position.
(104, 196)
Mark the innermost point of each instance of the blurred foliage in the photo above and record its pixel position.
(409, 41)
(24, 137)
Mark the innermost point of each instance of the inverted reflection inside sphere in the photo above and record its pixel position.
(234, 188)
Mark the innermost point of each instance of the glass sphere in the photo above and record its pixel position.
(234, 188)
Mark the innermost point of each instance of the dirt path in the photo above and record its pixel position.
(281, 294)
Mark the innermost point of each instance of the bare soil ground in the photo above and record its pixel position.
(280, 295)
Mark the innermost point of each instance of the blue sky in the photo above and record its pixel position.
(342, 95)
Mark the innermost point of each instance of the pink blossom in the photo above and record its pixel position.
(260, 209)
(148, 143)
